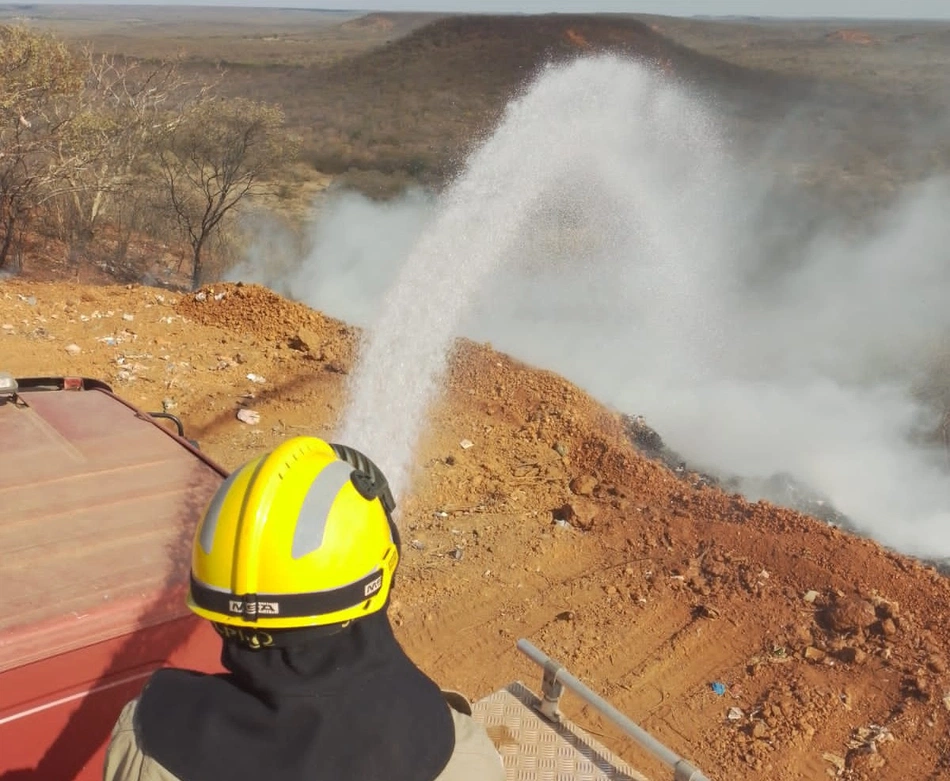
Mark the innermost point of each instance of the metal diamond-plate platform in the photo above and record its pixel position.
(534, 749)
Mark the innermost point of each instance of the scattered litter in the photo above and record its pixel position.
(718, 688)
(249, 416)
(31, 300)
(73, 349)
(7, 327)
(168, 405)
(457, 554)
(465, 444)
(111, 341)
(160, 298)
(219, 296)
(256, 378)
(810, 596)
(200, 295)
(868, 737)
(417, 544)
(441, 514)
(562, 523)
(128, 317)
(735, 714)
(125, 375)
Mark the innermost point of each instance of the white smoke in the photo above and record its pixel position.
(605, 233)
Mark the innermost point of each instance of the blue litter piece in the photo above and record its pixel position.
(719, 688)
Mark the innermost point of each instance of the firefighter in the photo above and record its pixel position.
(293, 565)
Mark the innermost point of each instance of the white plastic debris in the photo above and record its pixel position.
(249, 416)
(734, 714)
(128, 317)
(200, 296)
(810, 596)
(256, 378)
(465, 444)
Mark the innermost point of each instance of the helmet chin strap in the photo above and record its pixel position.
(370, 481)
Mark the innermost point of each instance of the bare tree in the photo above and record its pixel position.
(36, 74)
(217, 153)
(125, 109)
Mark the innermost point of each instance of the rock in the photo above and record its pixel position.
(565, 615)
(836, 760)
(851, 655)
(814, 654)
(888, 627)
(863, 759)
(803, 635)
(560, 448)
(306, 341)
(849, 615)
(937, 663)
(583, 485)
(810, 596)
(73, 349)
(759, 730)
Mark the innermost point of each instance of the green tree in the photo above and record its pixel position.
(216, 153)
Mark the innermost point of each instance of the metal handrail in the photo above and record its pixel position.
(556, 677)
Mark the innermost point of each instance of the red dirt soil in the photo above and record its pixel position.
(832, 650)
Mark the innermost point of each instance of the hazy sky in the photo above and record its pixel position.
(920, 9)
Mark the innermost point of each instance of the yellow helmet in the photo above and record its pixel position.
(302, 536)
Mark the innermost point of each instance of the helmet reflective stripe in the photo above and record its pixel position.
(210, 523)
(312, 523)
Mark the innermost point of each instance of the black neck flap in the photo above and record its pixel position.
(344, 706)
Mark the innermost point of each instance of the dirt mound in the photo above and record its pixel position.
(511, 48)
(253, 310)
(759, 642)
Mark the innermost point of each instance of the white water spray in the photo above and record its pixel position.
(602, 233)
(550, 136)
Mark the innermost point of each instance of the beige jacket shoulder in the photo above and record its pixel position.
(474, 758)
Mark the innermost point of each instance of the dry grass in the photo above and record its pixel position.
(386, 99)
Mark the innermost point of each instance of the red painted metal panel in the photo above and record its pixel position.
(99, 506)
(56, 715)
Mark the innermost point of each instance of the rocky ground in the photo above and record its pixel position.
(757, 642)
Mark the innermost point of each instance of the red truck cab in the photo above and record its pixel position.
(98, 506)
